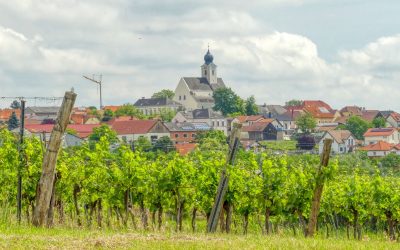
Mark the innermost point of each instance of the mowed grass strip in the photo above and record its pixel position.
(32, 238)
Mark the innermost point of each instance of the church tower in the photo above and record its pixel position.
(209, 69)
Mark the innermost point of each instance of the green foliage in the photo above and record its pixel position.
(13, 122)
(379, 122)
(143, 144)
(251, 107)
(357, 126)
(164, 144)
(71, 131)
(108, 115)
(167, 115)
(306, 123)
(293, 103)
(228, 102)
(218, 135)
(165, 93)
(104, 131)
(391, 161)
(129, 110)
(15, 105)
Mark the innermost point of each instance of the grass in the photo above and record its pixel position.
(25, 237)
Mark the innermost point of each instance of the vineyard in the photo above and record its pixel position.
(99, 186)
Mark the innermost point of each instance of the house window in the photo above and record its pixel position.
(341, 149)
(153, 138)
(223, 123)
(217, 123)
(374, 153)
(185, 135)
(176, 135)
(193, 135)
(180, 98)
(184, 97)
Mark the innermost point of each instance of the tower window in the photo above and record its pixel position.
(205, 72)
(180, 98)
(184, 97)
(213, 72)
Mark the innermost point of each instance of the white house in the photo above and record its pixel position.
(154, 106)
(374, 135)
(381, 149)
(214, 119)
(131, 130)
(196, 92)
(343, 141)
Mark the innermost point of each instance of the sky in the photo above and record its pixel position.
(342, 52)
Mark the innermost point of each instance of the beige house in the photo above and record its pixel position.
(374, 135)
(155, 106)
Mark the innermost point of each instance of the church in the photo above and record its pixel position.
(196, 92)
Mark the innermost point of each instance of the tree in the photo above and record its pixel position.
(143, 144)
(167, 115)
(227, 101)
(165, 93)
(15, 105)
(13, 122)
(293, 103)
(108, 115)
(306, 123)
(164, 144)
(379, 122)
(251, 107)
(357, 126)
(129, 110)
(104, 131)
(211, 134)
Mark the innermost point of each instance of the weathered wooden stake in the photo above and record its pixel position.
(223, 182)
(22, 162)
(45, 187)
(316, 201)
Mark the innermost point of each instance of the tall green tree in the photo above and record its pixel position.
(293, 103)
(357, 126)
(13, 122)
(165, 93)
(306, 123)
(379, 122)
(129, 110)
(15, 105)
(108, 115)
(228, 102)
(251, 107)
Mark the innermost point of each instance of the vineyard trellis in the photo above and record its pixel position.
(100, 187)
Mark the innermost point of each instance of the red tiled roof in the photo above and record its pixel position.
(379, 132)
(318, 109)
(185, 148)
(256, 127)
(395, 116)
(122, 118)
(353, 110)
(369, 115)
(6, 113)
(381, 146)
(82, 130)
(249, 118)
(133, 126)
(112, 108)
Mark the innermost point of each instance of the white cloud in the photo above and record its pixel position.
(143, 46)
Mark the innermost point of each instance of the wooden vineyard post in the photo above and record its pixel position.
(22, 162)
(223, 182)
(45, 187)
(316, 201)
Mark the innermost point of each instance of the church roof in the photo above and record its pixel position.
(155, 102)
(201, 83)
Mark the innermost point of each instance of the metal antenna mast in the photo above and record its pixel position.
(99, 83)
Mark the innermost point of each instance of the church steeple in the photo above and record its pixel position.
(209, 69)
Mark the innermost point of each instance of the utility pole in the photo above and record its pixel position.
(99, 83)
(21, 163)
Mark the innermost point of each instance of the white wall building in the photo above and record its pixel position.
(343, 141)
